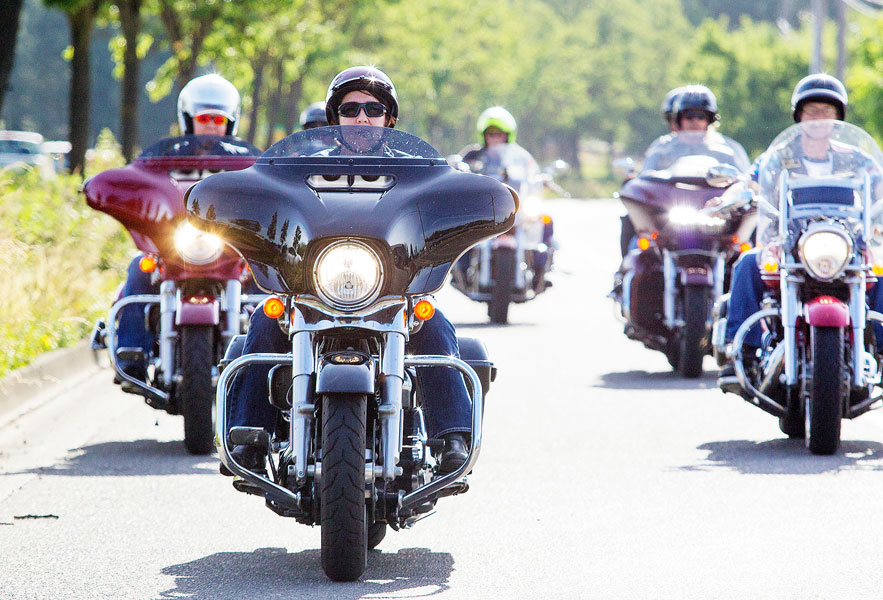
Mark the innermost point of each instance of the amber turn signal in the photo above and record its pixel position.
(274, 307)
(744, 247)
(547, 220)
(424, 310)
(147, 264)
(643, 243)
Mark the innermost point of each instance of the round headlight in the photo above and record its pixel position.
(825, 253)
(348, 274)
(197, 247)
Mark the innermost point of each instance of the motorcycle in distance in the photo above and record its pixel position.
(352, 240)
(199, 307)
(817, 363)
(511, 267)
(667, 285)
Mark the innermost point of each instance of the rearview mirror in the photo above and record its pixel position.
(721, 176)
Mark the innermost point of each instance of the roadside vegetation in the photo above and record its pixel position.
(60, 261)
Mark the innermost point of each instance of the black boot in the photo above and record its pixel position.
(250, 457)
(455, 453)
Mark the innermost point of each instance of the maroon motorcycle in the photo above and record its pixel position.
(199, 305)
(678, 263)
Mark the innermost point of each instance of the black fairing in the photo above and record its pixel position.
(425, 218)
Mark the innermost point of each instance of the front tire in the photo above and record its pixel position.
(342, 493)
(825, 399)
(196, 393)
(692, 335)
(503, 275)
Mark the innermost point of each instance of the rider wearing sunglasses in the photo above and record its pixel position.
(360, 96)
(209, 105)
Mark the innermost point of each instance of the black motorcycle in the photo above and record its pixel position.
(353, 239)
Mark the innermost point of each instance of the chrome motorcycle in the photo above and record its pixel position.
(511, 267)
(677, 266)
(353, 240)
(818, 361)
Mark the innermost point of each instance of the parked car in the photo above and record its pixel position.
(22, 149)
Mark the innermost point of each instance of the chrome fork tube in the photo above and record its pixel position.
(669, 292)
(858, 316)
(167, 334)
(392, 374)
(232, 307)
(789, 327)
(720, 273)
(302, 410)
(484, 265)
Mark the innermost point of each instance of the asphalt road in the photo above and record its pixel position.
(602, 475)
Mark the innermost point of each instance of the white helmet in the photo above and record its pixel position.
(211, 94)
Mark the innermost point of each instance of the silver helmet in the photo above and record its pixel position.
(210, 94)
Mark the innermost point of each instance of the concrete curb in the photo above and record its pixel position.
(49, 372)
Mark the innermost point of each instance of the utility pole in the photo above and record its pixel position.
(841, 40)
(818, 11)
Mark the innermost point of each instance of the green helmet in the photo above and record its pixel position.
(499, 117)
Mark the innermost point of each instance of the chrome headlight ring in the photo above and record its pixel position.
(348, 274)
(197, 247)
(825, 250)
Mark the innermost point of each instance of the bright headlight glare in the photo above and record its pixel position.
(348, 274)
(197, 247)
(688, 216)
(825, 253)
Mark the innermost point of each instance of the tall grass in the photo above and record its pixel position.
(60, 262)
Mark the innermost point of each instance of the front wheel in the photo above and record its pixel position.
(692, 334)
(342, 492)
(503, 276)
(195, 392)
(825, 398)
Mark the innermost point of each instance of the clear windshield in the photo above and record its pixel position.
(821, 163)
(352, 140)
(200, 145)
(689, 154)
(514, 166)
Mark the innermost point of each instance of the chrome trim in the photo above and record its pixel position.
(669, 290)
(348, 306)
(736, 354)
(167, 334)
(111, 337)
(303, 366)
(788, 313)
(392, 375)
(231, 304)
(221, 422)
(420, 494)
(312, 314)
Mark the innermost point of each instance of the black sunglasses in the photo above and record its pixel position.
(352, 109)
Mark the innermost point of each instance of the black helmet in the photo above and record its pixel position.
(668, 104)
(313, 116)
(819, 87)
(367, 79)
(695, 97)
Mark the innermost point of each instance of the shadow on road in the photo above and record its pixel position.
(488, 325)
(128, 459)
(645, 380)
(788, 457)
(274, 573)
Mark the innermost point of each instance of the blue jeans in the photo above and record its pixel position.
(132, 329)
(447, 406)
(746, 292)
